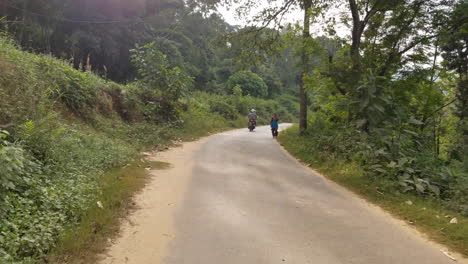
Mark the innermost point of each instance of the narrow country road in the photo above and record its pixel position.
(239, 198)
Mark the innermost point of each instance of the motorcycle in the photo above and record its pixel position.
(252, 124)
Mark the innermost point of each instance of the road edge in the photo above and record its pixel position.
(411, 230)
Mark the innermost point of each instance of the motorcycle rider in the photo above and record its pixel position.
(253, 116)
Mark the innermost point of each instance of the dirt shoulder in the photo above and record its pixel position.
(151, 224)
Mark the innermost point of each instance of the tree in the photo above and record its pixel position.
(275, 87)
(159, 86)
(273, 17)
(388, 36)
(306, 5)
(455, 54)
(249, 82)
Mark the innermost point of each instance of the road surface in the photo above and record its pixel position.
(239, 198)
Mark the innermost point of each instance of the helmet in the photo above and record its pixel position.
(253, 111)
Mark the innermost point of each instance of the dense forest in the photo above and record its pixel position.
(100, 35)
(81, 77)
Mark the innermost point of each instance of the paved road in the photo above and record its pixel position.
(249, 202)
(238, 198)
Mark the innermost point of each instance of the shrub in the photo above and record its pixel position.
(408, 167)
(15, 170)
(19, 100)
(225, 109)
(160, 87)
(249, 82)
(45, 191)
(290, 103)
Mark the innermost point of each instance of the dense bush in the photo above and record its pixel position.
(249, 82)
(48, 178)
(238, 106)
(290, 103)
(395, 168)
(75, 89)
(14, 163)
(160, 86)
(224, 109)
(46, 83)
(19, 100)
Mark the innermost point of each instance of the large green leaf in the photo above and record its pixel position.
(415, 122)
(419, 187)
(434, 189)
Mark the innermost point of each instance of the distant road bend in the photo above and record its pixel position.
(239, 198)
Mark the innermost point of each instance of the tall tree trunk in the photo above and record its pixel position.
(305, 66)
(462, 106)
(356, 34)
(359, 24)
(4, 8)
(23, 23)
(356, 37)
(434, 62)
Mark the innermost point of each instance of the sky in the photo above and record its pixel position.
(230, 16)
(295, 15)
(342, 30)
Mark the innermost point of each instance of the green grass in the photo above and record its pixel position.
(81, 243)
(426, 214)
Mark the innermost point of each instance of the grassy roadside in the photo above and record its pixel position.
(427, 215)
(81, 243)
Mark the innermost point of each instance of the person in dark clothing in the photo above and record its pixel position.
(274, 124)
(253, 116)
